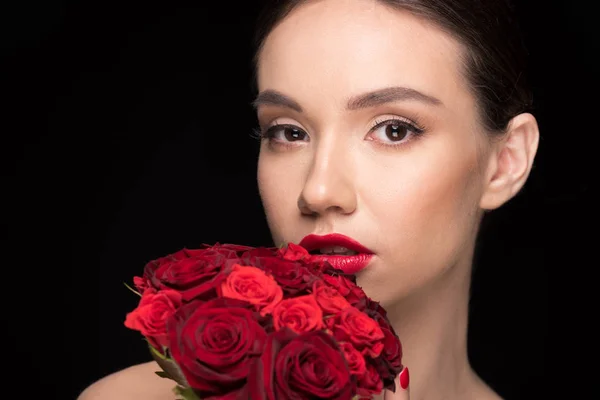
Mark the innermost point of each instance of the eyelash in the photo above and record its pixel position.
(415, 128)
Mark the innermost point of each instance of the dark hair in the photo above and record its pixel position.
(495, 56)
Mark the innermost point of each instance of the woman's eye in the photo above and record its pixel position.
(393, 131)
(286, 133)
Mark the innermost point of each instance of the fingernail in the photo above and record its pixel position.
(404, 378)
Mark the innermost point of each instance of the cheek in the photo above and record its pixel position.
(441, 193)
(279, 186)
(423, 219)
(426, 205)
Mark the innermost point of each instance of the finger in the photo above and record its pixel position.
(402, 389)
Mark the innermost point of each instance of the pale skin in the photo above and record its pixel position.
(417, 204)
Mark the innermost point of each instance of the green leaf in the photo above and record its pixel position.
(163, 374)
(156, 352)
(169, 366)
(132, 289)
(185, 393)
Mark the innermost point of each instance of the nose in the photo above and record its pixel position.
(329, 186)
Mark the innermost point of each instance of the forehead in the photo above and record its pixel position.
(343, 47)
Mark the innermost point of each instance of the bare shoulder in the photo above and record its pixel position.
(135, 382)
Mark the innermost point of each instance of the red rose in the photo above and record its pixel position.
(293, 252)
(141, 284)
(358, 328)
(346, 286)
(228, 250)
(369, 383)
(258, 252)
(374, 309)
(252, 285)
(150, 316)
(392, 346)
(300, 314)
(194, 273)
(355, 360)
(330, 300)
(392, 352)
(308, 366)
(235, 395)
(294, 277)
(389, 364)
(215, 343)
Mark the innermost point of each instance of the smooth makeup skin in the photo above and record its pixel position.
(412, 189)
(413, 201)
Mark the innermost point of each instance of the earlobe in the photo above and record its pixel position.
(510, 161)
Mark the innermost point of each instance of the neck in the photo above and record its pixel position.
(432, 326)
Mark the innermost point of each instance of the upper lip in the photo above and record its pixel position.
(315, 242)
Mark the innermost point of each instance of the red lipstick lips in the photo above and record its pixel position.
(349, 263)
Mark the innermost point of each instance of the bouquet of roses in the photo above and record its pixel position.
(238, 322)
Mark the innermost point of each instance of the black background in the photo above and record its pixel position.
(126, 136)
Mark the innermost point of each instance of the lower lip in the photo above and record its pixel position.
(348, 264)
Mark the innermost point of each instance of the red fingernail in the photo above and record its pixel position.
(404, 378)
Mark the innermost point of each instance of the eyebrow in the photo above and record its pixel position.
(390, 95)
(275, 98)
(366, 100)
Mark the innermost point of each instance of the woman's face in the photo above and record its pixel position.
(374, 135)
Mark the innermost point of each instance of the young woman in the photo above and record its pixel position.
(388, 129)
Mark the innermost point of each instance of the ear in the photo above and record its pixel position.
(510, 161)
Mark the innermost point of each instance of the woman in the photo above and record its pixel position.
(395, 124)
